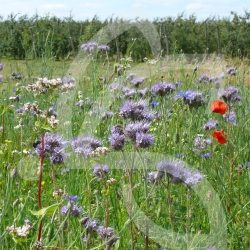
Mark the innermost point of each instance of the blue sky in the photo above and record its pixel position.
(150, 9)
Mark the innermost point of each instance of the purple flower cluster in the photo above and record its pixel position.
(54, 147)
(103, 47)
(107, 115)
(89, 224)
(68, 80)
(136, 111)
(230, 116)
(131, 92)
(230, 95)
(231, 70)
(107, 235)
(200, 143)
(210, 125)
(1, 66)
(204, 78)
(84, 145)
(89, 47)
(178, 173)
(191, 98)
(71, 207)
(137, 132)
(137, 81)
(16, 76)
(100, 171)
(162, 88)
(131, 77)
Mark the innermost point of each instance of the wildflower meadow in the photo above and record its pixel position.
(101, 153)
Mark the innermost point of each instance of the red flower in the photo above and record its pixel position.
(219, 136)
(219, 107)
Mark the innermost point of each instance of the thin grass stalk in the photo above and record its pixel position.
(40, 186)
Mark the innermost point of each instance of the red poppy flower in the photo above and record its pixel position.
(219, 107)
(219, 136)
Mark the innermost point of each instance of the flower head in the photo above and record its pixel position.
(84, 145)
(211, 124)
(220, 136)
(54, 147)
(117, 141)
(178, 173)
(137, 81)
(1, 66)
(219, 107)
(136, 111)
(100, 171)
(108, 235)
(162, 88)
(144, 140)
(230, 95)
(103, 47)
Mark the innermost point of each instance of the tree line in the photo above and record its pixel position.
(49, 36)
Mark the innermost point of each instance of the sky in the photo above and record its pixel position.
(129, 9)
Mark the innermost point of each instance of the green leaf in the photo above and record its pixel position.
(47, 128)
(46, 211)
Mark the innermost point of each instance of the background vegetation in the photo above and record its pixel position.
(26, 37)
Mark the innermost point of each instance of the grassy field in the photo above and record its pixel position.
(109, 160)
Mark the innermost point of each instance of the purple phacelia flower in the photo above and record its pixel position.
(117, 129)
(117, 141)
(54, 147)
(84, 145)
(131, 76)
(89, 46)
(136, 111)
(137, 81)
(89, 224)
(51, 112)
(103, 47)
(100, 171)
(75, 211)
(162, 88)
(230, 116)
(210, 125)
(231, 70)
(1, 78)
(178, 173)
(143, 140)
(107, 235)
(155, 177)
(107, 115)
(230, 95)
(64, 210)
(138, 127)
(201, 143)
(193, 98)
(68, 80)
(1, 66)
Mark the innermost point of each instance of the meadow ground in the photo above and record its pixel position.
(131, 156)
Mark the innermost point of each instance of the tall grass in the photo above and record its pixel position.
(144, 215)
